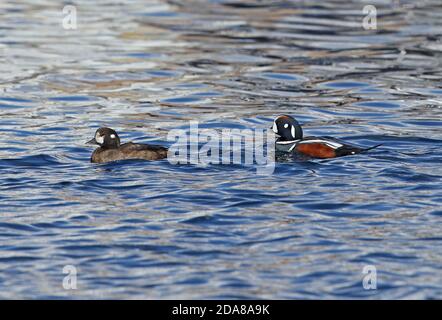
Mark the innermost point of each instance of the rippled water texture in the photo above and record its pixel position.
(156, 230)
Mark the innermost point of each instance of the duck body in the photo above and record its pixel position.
(129, 151)
(111, 150)
(291, 140)
(319, 147)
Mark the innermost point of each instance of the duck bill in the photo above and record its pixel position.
(92, 141)
(271, 128)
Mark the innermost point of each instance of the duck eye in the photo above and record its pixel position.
(286, 125)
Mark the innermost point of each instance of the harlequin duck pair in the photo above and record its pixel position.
(291, 140)
(286, 127)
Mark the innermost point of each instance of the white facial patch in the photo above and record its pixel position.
(293, 132)
(112, 136)
(99, 138)
(286, 125)
(275, 128)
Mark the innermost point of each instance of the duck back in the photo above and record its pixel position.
(129, 151)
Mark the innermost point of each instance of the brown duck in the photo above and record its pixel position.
(111, 150)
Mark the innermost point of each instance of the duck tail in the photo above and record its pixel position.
(370, 148)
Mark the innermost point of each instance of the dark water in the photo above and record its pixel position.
(157, 230)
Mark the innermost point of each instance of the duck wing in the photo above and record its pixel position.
(130, 146)
(327, 147)
(144, 151)
(344, 148)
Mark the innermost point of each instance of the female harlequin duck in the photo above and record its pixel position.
(291, 139)
(111, 150)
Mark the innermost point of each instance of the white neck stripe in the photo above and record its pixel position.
(288, 142)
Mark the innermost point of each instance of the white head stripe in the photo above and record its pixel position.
(275, 128)
(293, 132)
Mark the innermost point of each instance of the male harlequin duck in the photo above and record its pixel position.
(111, 150)
(291, 139)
